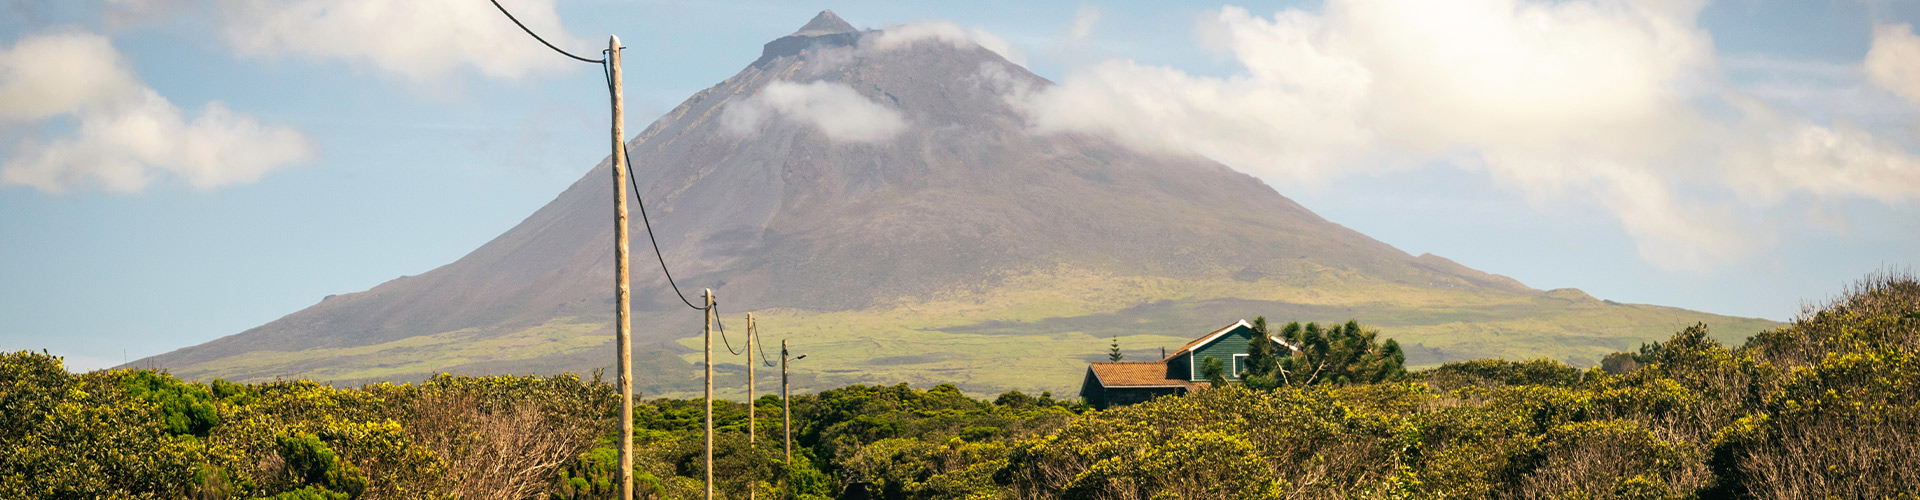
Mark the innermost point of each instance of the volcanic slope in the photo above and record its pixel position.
(878, 198)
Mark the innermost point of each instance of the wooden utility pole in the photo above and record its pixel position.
(786, 409)
(753, 490)
(750, 413)
(624, 325)
(709, 366)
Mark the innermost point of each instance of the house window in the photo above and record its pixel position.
(1239, 365)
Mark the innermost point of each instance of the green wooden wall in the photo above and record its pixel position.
(1234, 342)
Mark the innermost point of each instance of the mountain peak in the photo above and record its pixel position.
(827, 23)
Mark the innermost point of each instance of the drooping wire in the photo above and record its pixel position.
(607, 70)
(755, 331)
(536, 36)
(642, 203)
(723, 331)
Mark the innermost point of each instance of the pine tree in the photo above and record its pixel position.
(1340, 354)
(1263, 358)
(1113, 353)
(1215, 371)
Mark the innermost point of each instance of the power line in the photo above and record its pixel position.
(654, 241)
(644, 220)
(763, 346)
(543, 41)
(723, 331)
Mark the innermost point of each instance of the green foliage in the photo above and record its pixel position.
(1113, 350)
(85, 436)
(185, 408)
(146, 434)
(917, 469)
(1499, 372)
(804, 480)
(1342, 354)
(1219, 442)
(313, 464)
(1214, 370)
(1263, 358)
(1826, 407)
(310, 493)
(1619, 363)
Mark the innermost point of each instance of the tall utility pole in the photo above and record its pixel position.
(709, 365)
(786, 409)
(624, 325)
(752, 489)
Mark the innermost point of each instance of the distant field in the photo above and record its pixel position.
(1037, 332)
(1031, 331)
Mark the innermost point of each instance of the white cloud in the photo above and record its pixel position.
(1580, 101)
(1084, 21)
(424, 41)
(126, 134)
(901, 36)
(1894, 60)
(1787, 155)
(420, 39)
(52, 75)
(834, 108)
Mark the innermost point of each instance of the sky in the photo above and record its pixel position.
(175, 171)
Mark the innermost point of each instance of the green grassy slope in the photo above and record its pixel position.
(1038, 331)
(1028, 331)
(1033, 331)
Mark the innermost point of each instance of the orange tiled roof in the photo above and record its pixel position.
(1135, 374)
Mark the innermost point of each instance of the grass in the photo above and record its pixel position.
(1037, 332)
(1032, 330)
(409, 356)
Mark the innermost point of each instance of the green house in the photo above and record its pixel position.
(1118, 383)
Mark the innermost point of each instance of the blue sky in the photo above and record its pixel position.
(356, 165)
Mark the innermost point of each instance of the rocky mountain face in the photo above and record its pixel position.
(850, 174)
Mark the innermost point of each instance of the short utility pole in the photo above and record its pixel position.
(786, 404)
(709, 367)
(621, 290)
(752, 489)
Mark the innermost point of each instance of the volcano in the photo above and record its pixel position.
(878, 199)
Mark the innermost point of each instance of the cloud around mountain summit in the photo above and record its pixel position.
(1612, 103)
(834, 108)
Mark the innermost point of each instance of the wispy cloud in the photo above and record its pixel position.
(905, 35)
(126, 135)
(1084, 20)
(834, 108)
(1615, 103)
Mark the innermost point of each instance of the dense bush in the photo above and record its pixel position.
(144, 434)
(1828, 407)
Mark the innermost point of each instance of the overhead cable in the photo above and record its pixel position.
(763, 346)
(723, 331)
(536, 36)
(644, 220)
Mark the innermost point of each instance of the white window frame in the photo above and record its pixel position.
(1236, 364)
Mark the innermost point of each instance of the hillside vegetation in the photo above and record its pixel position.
(1826, 407)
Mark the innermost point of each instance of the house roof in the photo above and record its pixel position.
(1135, 374)
(1209, 338)
(1206, 339)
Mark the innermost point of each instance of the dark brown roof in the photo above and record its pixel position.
(1135, 374)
